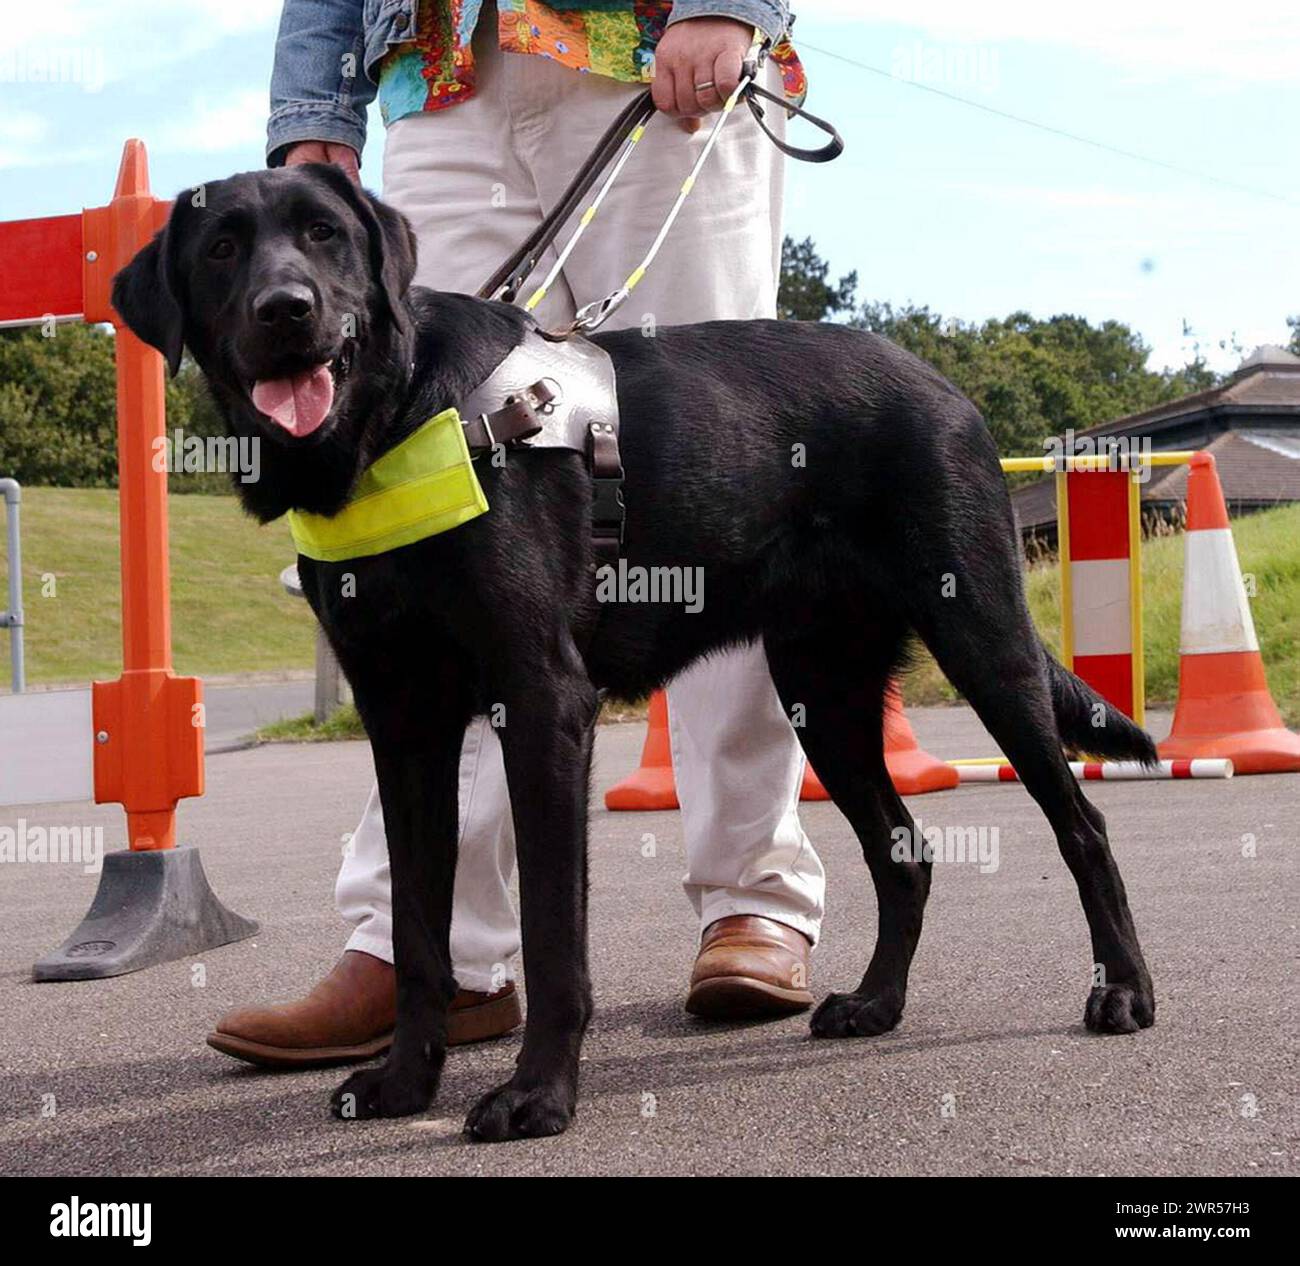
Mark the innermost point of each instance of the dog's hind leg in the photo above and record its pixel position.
(970, 611)
(546, 741)
(832, 682)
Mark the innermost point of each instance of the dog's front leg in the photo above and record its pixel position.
(547, 740)
(417, 788)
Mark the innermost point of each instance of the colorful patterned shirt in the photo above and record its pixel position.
(436, 69)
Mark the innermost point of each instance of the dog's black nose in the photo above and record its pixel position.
(285, 304)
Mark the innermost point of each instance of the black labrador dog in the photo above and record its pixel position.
(838, 494)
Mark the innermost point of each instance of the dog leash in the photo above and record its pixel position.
(515, 422)
(616, 146)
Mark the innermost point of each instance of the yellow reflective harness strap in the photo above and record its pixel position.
(425, 485)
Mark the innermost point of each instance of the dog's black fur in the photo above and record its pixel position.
(838, 493)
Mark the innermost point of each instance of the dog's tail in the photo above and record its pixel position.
(1089, 725)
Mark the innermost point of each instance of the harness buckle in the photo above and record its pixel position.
(607, 506)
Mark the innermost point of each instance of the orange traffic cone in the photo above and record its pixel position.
(913, 770)
(812, 788)
(651, 786)
(1224, 707)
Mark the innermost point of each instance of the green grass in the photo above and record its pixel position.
(230, 614)
(1268, 545)
(344, 724)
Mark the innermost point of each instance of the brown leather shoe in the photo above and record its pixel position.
(748, 968)
(349, 1017)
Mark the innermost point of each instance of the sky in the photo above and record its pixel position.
(1189, 235)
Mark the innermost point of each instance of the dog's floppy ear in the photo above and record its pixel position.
(391, 240)
(145, 295)
(392, 254)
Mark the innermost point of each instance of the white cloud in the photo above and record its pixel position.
(21, 133)
(127, 38)
(124, 21)
(214, 124)
(1042, 197)
(65, 60)
(1150, 39)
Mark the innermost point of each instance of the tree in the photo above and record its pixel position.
(1294, 323)
(804, 293)
(58, 409)
(1032, 378)
(57, 394)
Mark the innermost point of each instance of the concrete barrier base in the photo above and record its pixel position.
(151, 907)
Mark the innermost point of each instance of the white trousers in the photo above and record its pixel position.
(474, 180)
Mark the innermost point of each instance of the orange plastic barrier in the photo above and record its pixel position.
(153, 903)
(148, 723)
(913, 770)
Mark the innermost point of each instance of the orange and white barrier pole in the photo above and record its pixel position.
(1106, 771)
(1099, 531)
(1224, 705)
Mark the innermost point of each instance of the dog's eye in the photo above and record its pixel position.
(222, 248)
(320, 231)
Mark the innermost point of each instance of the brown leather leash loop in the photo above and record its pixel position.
(833, 147)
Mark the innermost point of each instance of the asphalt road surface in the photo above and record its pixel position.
(990, 1071)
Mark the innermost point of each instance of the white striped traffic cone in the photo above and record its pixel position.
(1224, 705)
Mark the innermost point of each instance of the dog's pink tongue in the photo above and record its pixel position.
(299, 404)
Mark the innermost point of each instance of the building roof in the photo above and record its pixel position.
(1256, 469)
(1268, 378)
(1251, 423)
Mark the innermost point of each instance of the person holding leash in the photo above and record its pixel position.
(490, 108)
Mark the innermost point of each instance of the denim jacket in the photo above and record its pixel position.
(328, 50)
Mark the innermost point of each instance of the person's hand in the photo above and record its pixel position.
(325, 152)
(697, 66)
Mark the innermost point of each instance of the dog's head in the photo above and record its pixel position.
(287, 287)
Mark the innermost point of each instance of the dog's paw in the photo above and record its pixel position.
(382, 1092)
(1120, 1008)
(855, 1015)
(509, 1112)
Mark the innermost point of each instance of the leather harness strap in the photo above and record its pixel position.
(518, 420)
(608, 515)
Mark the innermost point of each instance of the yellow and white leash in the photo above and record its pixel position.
(587, 216)
(592, 315)
(617, 144)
